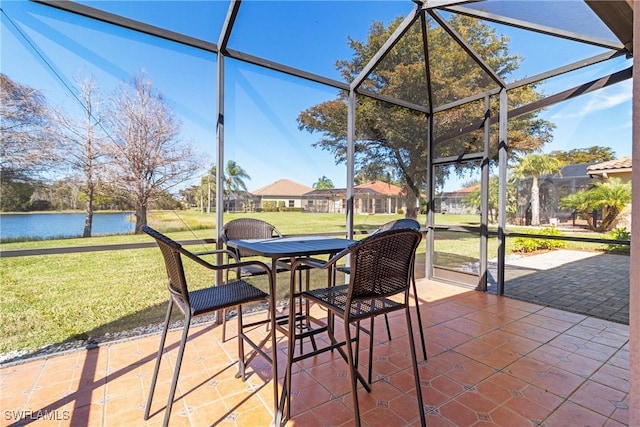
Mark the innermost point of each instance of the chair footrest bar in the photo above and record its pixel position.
(257, 348)
(256, 323)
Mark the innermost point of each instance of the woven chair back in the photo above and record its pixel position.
(177, 282)
(400, 224)
(248, 228)
(381, 265)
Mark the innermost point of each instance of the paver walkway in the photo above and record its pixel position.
(590, 283)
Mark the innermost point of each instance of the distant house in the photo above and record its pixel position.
(282, 193)
(378, 197)
(375, 197)
(453, 202)
(620, 168)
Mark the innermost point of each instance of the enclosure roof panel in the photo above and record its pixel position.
(572, 16)
(194, 18)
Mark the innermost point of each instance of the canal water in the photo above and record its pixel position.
(55, 225)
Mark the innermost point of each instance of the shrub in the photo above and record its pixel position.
(269, 206)
(400, 211)
(620, 233)
(529, 244)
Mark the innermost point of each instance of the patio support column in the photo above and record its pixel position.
(634, 276)
(502, 191)
(223, 40)
(351, 120)
(484, 204)
(220, 150)
(222, 43)
(430, 204)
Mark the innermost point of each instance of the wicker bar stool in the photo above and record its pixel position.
(379, 283)
(200, 302)
(399, 224)
(244, 229)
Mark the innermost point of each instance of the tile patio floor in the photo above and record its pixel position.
(493, 361)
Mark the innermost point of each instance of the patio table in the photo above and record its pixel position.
(279, 249)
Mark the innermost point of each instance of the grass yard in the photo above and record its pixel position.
(51, 299)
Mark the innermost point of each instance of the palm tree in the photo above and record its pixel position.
(323, 183)
(234, 179)
(208, 187)
(611, 196)
(535, 165)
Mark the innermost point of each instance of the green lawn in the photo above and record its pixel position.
(54, 298)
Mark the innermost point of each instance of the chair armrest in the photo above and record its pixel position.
(234, 265)
(224, 267)
(318, 263)
(228, 252)
(238, 265)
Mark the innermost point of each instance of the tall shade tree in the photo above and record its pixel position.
(395, 137)
(535, 165)
(593, 154)
(190, 195)
(148, 156)
(27, 142)
(234, 180)
(84, 144)
(323, 183)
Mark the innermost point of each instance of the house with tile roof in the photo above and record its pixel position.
(620, 168)
(375, 197)
(281, 194)
(454, 202)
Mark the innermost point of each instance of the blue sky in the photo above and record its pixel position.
(50, 49)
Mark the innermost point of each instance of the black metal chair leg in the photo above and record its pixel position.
(419, 317)
(176, 372)
(241, 358)
(371, 351)
(386, 321)
(287, 386)
(156, 369)
(414, 361)
(307, 307)
(224, 325)
(352, 372)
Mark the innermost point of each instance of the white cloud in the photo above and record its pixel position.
(600, 100)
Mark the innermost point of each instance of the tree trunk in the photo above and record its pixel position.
(141, 217)
(535, 202)
(412, 209)
(609, 218)
(88, 219)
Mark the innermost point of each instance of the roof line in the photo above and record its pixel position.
(542, 29)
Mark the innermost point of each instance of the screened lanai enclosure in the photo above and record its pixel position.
(433, 96)
(444, 99)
